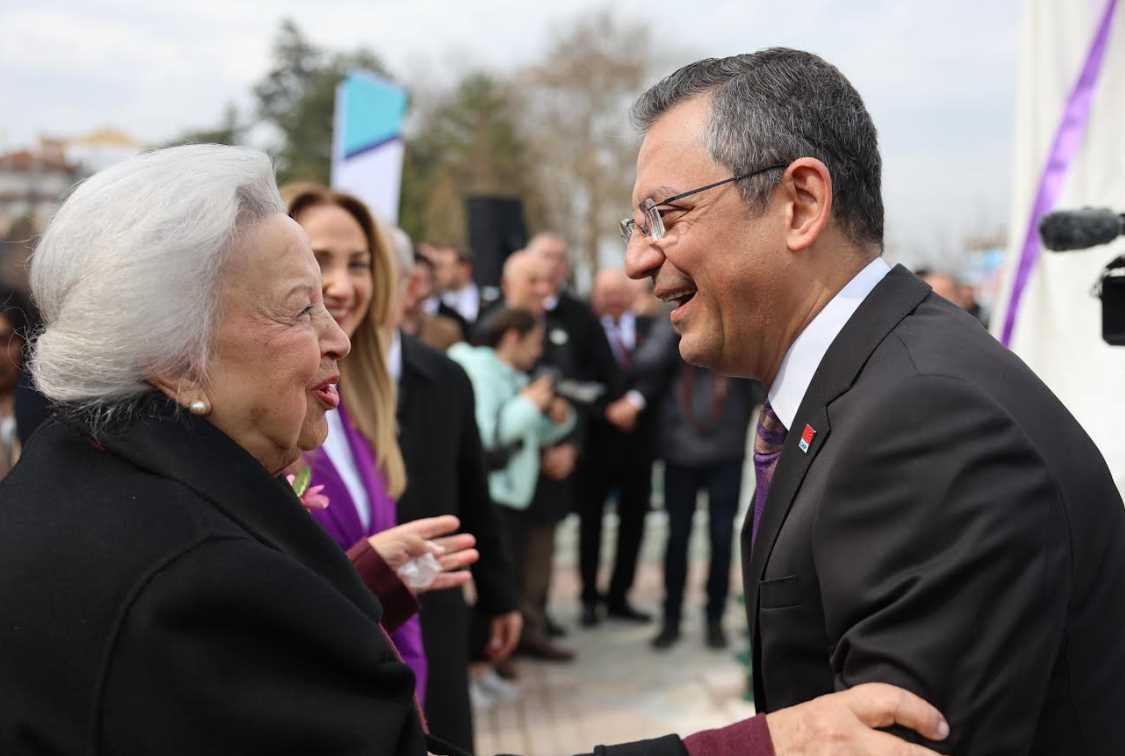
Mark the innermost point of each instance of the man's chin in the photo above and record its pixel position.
(695, 353)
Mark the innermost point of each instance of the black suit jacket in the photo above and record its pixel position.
(609, 447)
(163, 594)
(445, 475)
(951, 529)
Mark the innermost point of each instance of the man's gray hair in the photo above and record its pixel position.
(404, 250)
(772, 107)
(128, 273)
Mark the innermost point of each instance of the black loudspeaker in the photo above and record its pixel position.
(496, 230)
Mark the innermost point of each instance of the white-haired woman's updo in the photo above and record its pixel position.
(127, 275)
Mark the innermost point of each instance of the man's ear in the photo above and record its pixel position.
(807, 192)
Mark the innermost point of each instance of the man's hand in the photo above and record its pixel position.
(540, 391)
(400, 544)
(622, 414)
(504, 635)
(843, 723)
(559, 461)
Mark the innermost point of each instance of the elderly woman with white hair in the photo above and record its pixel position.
(162, 589)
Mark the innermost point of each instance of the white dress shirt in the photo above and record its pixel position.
(394, 356)
(805, 354)
(466, 301)
(340, 453)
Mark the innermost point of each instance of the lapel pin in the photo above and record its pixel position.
(806, 438)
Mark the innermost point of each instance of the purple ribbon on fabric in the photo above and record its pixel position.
(1068, 138)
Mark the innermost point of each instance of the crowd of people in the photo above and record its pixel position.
(301, 480)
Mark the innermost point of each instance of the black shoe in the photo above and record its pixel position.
(716, 636)
(590, 616)
(544, 650)
(667, 638)
(622, 610)
(554, 629)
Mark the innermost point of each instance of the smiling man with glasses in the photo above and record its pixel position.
(927, 513)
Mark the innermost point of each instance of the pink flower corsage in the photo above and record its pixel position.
(311, 497)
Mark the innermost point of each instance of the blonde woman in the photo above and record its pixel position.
(359, 465)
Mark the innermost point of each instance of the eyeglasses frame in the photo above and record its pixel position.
(652, 212)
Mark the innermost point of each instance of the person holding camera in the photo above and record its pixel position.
(518, 418)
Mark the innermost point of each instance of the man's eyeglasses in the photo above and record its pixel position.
(653, 224)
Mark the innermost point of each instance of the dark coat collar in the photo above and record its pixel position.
(172, 443)
(895, 297)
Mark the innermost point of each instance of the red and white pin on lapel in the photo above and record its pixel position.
(807, 436)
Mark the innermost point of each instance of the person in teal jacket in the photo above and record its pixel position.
(517, 417)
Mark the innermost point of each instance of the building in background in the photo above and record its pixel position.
(34, 181)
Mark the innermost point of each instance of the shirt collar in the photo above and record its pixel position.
(551, 302)
(807, 351)
(394, 356)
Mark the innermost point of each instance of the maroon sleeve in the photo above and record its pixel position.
(398, 602)
(750, 737)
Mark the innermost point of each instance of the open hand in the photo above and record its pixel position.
(842, 724)
(400, 544)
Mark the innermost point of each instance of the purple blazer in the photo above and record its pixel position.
(341, 521)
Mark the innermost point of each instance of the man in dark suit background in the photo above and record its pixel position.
(576, 346)
(619, 455)
(927, 513)
(444, 459)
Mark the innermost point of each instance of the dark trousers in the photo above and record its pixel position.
(722, 482)
(633, 481)
(533, 553)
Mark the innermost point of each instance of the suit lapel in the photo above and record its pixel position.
(896, 296)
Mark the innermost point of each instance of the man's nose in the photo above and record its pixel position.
(642, 259)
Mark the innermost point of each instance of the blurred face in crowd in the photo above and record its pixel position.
(451, 273)
(419, 288)
(553, 251)
(274, 369)
(526, 282)
(613, 293)
(344, 257)
(723, 267)
(525, 350)
(11, 355)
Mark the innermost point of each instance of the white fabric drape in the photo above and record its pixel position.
(1058, 326)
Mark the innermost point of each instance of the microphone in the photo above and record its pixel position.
(1078, 229)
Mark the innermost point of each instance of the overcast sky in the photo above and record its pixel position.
(938, 78)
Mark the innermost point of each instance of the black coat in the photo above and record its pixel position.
(952, 530)
(162, 593)
(606, 445)
(445, 475)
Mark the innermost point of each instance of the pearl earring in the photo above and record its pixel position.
(199, 407)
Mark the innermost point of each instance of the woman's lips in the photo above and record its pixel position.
(328, 394)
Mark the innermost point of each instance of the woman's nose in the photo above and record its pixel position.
(335, 342)
(336, 284)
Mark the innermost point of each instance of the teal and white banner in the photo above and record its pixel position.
(367, 145)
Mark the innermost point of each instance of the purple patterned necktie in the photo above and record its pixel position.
(769, 440)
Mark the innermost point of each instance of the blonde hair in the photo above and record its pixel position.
(366, 386)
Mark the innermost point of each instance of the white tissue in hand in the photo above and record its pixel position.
(420, 573)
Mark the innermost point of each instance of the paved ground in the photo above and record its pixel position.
(620, 689)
